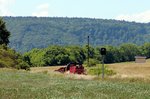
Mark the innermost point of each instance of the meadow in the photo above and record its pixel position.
(43, 83)
(132, 70)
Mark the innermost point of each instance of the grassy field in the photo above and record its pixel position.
(45, 84)
(131, 70)
(132, 81)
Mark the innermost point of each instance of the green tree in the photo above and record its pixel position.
(4, 33)
(129, 51)
(113, 55)
(145, 50)
(76, 54)
(55, 55)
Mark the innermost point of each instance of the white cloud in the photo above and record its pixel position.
(41, 10)
(43, 6)
(143, 17)
(5, 7)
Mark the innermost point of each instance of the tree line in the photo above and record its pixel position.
(61, 55)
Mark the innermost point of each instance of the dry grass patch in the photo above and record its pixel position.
(51, 70)
(123, 70)
(132, 69)
(42, 69)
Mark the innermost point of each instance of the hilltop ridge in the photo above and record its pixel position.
(39, 32)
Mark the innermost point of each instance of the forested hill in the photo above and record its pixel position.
(33, 32)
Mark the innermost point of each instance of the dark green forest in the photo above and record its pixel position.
(40, 32)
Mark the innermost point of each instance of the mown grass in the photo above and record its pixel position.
(16, 84)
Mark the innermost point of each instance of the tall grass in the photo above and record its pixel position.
(24, 85)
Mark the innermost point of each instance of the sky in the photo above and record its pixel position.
(128, 10)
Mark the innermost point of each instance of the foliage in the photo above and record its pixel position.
(97, 70)
(113, 55)
(58, 55)
(4, 33)
(10, 59)
(34, 32)
(55, 55)
(76, 54)
(129, 51)
(92, 62)
(23, 65)
(145, 49)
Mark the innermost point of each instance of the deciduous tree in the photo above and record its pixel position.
(4, 33)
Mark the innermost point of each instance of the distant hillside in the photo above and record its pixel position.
(32, 32)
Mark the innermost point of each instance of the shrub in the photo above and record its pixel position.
(10, 59)
(97, 70)
(92, 62)
(2, 64)
(23, 65)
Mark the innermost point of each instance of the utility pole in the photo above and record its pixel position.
(88, 51)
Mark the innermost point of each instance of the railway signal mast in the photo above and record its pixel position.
(103, 53)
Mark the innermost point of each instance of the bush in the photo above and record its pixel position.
(92, 62)
(23, 65)
(97, 70)
(2, 64)
(10, 59)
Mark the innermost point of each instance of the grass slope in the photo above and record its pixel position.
(16, 84)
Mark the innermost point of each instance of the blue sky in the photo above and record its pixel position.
(130, 10)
